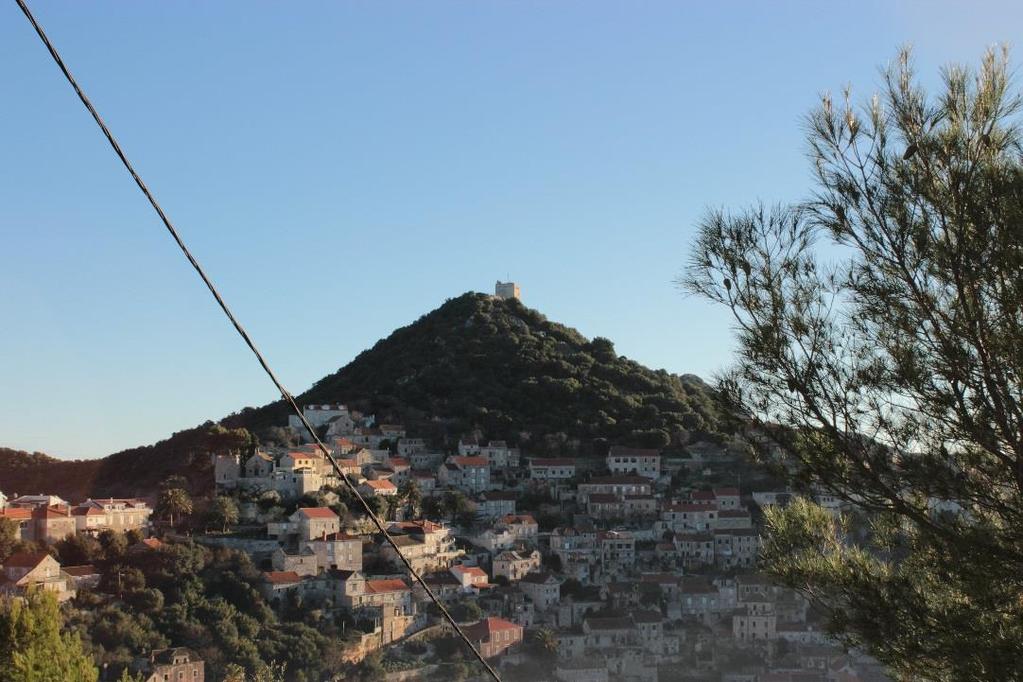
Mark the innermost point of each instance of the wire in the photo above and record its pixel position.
(245, 336)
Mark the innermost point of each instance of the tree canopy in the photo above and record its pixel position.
(32, 646)
(880, 336)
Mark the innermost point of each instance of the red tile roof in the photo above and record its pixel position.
(551, 462)
(425, 526)
(282, 577)
(25, 559)
(386, 585)
(318, 513)
(622, 451)
(484, 630)
(521, 519)
(474, 571)
(17, 513)
(51, 513)
(381, 485)
(148, 543)
(470, 461)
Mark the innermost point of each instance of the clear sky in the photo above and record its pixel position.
(344, 167)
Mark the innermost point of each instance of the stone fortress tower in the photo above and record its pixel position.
(507, 290)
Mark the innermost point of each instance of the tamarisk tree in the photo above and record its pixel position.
(880, 345)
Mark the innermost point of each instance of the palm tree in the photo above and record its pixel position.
(173, 502)
(546, 643)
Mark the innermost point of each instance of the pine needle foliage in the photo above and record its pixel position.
(880, 343)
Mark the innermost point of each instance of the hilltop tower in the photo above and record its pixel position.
(506, 290)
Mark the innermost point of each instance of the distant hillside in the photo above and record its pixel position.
(479, 362)
(476, 363)
(30, 473)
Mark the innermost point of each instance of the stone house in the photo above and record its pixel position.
(542, 588)
(292, 484)
(470, 577)
(688, 517)
(336, 551)
(471, 475)
(617, 552)
(306, 523)
(605, 506)
(302, 563)
(392, 596)
(496, 503)
(26, 570)
(523, 527)
(727, 498)
(469, 447)
(736, 547)
(428, 546)
(378, 488)
(52, 524)
(696, 549)
(84, 576)
(495, 539)
(35, 501)
(699, 599)
(494, 636)
(551, 468)
(95, 516)
(608, 632)
(516, 565)
(639, 461)
(276, 585)
(754, 622)
(499, 455)
(425, 481)
(410, 446)
(22, 517)
(400, 470)
(619, 485)
(733, 518)
(171, 665)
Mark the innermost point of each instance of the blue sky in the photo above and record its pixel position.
(342, 168)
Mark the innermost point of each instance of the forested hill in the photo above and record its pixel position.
(496, 366)
(30, 473)
(475, 364)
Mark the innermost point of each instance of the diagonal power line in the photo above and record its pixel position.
(245, 336)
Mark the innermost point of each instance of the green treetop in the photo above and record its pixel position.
(32, 647)
(880, 335)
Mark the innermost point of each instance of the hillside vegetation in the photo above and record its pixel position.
(496, 366)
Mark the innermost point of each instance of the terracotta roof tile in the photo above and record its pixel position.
(386, 585)
(25, 559)
(317, 513)
(282, 577)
